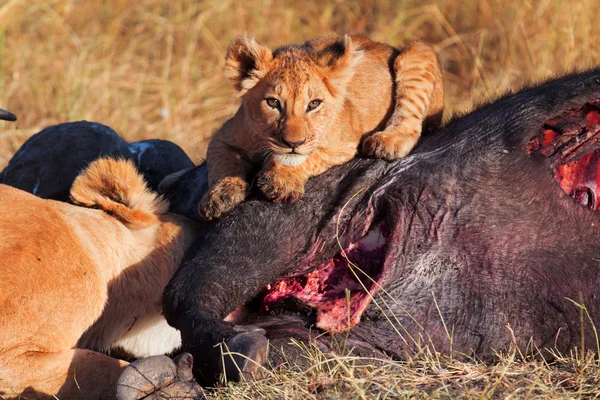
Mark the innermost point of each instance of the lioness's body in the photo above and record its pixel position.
(366, 91)
(65, 270)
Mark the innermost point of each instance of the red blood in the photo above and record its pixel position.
(341, 288)
(572, 143)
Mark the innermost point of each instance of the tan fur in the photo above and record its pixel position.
(371, 95)
(73, 276)
(119, 190)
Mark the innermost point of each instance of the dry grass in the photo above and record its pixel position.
(333, 376)
(153, 68)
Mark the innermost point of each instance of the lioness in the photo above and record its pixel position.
(88, 276)
(306, 108)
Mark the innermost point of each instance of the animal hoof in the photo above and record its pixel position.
(184, 363)
(159, 377)
(244, 356)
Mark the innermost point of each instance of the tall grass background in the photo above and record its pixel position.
(154, 69)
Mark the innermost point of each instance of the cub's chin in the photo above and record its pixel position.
(290, 160)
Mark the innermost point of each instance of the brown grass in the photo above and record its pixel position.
(430, 375)
(154, 68)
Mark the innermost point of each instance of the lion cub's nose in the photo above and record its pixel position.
(293, 144)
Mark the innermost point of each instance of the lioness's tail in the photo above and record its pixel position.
(116, 187)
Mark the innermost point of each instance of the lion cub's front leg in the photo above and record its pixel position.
(227, 177)
(282, 183)
(419, 99)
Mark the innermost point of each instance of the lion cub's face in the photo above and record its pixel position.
(290, 97)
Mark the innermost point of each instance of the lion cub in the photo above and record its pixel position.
(307, 108)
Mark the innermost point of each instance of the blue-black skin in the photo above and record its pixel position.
(475, 222)
(49, 161)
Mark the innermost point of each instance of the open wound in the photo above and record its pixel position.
(572, 143)
(341, 288)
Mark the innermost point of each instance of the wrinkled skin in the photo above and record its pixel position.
(470, 219)
(48, 162)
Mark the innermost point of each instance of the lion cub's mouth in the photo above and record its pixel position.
(290, 159)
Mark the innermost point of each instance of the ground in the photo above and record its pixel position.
(428, 376)
(154, 69)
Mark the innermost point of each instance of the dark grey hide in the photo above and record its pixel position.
(473, 222)
(49, 161)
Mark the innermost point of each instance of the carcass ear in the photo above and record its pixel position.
(246, 63)
(116, 187)
(338, 61)
(7, 116)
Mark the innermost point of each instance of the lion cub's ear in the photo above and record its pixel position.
(338, 61)
(116, 187)
(246, 63)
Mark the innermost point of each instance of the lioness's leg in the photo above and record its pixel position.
(419, 99)
(69, 374)
(227, 176)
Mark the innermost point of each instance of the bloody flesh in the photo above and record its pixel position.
(572, 143)
(341, 288)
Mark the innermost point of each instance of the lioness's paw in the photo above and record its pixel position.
(222, 198)
(159, 377)
(389, 145)
(279, 187)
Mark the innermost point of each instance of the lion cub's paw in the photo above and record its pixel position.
(389, 145)
(222, 198)
(280, 187)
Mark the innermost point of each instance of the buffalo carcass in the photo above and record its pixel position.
(468, 245)
(48, 162)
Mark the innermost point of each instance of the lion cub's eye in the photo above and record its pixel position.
(313, 104)
(273, 103)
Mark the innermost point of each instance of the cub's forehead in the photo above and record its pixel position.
(292, 70)
(295, 64)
